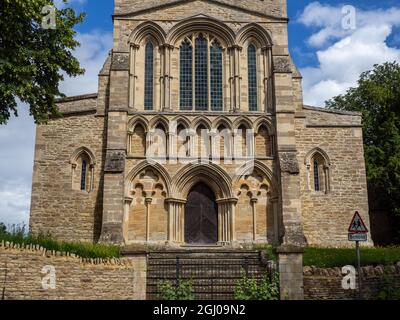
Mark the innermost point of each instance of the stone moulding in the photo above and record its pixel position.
(6, 246)
(115, 161)
(289, 163)
(282, 65)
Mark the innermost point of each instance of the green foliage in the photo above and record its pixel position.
(339, 257)
(32, 59)
(377, 97)
(3, 228)
(183, 291)
(389, 290)
(251, 289)
(268, 249)
(19, 235)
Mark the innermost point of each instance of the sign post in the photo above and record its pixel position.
(358, 232)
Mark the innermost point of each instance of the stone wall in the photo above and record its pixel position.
(56, 207)
(327, 215)
(326, 284)
(76, 278)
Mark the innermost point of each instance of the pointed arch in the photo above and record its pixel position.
(222, 120)
(318, 165)
(143, 166)
(82, 150)
(249, 167)
(133, 122)
(203, 23)
(159, 120)
(212, 175)
(82, 169)
(202, 121)
(313, 152)
(254, 30)
(146, 29)
(243, 120)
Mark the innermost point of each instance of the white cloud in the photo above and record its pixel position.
(60, 3)
(344, 54)
(17, 137)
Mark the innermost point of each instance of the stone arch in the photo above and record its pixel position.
(82, 150)
(254, 31)
(249, 167)
(201, 121)
(210, 174)
(266, 122)
(82, 169)
(138, 120)
(205, 24)
(159, 120)
(141, 167)
(222, 120)
(147, 29)
(317, 160)
(243, 120)
(313, 152)
(181, 120)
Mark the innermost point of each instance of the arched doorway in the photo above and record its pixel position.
(201, 216)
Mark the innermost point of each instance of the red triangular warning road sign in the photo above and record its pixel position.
(357, 225)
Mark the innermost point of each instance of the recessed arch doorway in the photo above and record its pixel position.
(201, 216)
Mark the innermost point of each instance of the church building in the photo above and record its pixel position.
(198, 136)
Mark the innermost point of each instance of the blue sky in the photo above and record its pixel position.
(329, 57)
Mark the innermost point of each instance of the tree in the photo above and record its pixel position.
(3, 228)
(377, 97)
(33, 57)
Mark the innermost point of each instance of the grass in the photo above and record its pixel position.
(339, 257)
(85, 250)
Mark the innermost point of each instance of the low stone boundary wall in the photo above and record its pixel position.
(34, 273)
(326, 283)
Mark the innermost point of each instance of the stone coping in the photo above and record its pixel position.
(334, 111)
(77, 98)
(6, 246)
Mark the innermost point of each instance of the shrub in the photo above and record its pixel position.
(339, 257)
(19, 235)
(251, 289)
(183, 291)
(388, 289)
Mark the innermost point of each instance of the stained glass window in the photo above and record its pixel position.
(149, 77)
(216, 76)
(83, 175)
(201, 73)
(316, 176)
(252, 73)
(186, 76)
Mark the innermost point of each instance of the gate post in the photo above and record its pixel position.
(291, 272)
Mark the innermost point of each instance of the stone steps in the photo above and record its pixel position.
(214, 273)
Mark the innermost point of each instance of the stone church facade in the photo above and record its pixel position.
(198, 135)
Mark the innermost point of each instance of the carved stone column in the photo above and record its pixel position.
(267, 56)
(166, 96)
(254, 209)
(235, 77)
(148, 202)
(127, 205)
(176, 221)
(132, 76)
(226, 221)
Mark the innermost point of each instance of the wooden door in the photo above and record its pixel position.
(201, 216)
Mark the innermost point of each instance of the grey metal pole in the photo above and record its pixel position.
(359, 269)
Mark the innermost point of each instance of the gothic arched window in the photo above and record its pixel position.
(317, 185)
(201, 72)
(207, 63)
(318, 171)
(149, 76)
(186, 76)
(216, 77)
(82, 162)
(252, 74)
